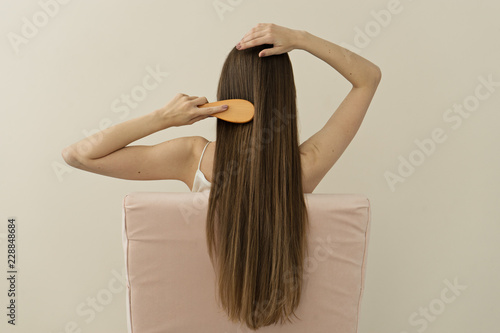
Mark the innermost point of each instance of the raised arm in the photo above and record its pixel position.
(324, 148)
(108, 152)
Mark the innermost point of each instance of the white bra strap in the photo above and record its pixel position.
(199, 163)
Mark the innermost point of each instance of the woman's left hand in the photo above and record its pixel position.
(183, 110)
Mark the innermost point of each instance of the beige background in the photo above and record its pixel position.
(439, 226)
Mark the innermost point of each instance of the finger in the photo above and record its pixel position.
(252, 34)
(254, 29)
(195, 119)
(257, 31)
(243, 43)
(214, 109)
(191, 97)
(258, 41)
(259, 27)
(270, 52)
(200, 100)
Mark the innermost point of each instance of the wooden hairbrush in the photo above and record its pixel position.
(238, 111)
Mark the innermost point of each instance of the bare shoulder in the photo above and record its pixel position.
(192, 147)
(197, 144)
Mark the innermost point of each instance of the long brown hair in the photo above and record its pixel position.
(257, 221)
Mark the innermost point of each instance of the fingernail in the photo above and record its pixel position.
(224, 107)
(238, 46)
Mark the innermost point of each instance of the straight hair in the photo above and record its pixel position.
(257, 221)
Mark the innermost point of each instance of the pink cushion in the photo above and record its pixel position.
(170, 280)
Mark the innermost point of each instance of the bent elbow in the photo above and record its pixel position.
(377, 75)
(371, 79)
(69, 156)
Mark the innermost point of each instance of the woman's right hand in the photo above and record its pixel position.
(283, 39)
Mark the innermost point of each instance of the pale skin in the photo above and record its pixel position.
(108, 152)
